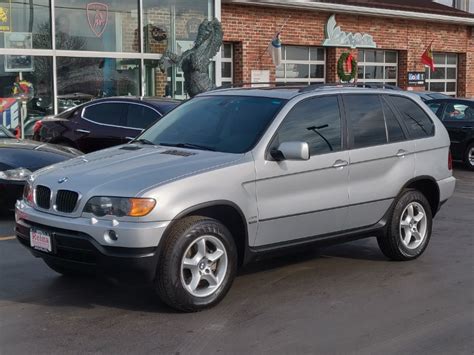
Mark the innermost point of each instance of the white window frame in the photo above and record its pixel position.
(308, 62)
(362, 63)
(445, 66)
(228, 80)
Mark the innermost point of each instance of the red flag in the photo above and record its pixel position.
(427, 58)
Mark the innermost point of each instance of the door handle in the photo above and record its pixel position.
(340, 164)
(401, 153)
(83, 131)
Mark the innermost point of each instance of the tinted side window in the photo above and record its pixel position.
(434, 106)
(316, 121)
(107, 113)
(458, 112)
(366, 119)
(140, 116)
(394, 130)
(417, 121)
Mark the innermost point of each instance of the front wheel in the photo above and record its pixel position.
(409, 229)
(469, 157)
(197, 265)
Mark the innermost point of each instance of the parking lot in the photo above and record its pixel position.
(342, 299)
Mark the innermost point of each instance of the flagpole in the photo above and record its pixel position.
(276, 34)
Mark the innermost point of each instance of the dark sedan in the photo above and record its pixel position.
(102, 123)
(19, 158)
(458, 117)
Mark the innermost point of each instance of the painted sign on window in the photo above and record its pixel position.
(5, 16)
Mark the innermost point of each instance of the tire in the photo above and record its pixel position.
(187, 240)
(394, 243)
(469, 157)
(65, 271)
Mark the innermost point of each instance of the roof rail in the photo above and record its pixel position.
(258, 85)
(320, 86)
(311, 87)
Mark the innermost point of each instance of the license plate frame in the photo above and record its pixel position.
(41, 240)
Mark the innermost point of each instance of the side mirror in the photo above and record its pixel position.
(291, 151)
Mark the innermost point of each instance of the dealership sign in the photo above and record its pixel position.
(416, 78)
(98, 17)
(335, 37)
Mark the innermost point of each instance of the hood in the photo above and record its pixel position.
(129, 169)
(15, 153)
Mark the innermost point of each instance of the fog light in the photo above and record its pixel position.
(112, 235)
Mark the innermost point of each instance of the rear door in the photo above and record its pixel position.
(300, 199)
(139, 117)
(381, 158)
(102, 126)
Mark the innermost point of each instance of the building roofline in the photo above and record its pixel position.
(359, 10)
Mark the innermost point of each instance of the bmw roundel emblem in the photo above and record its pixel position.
(63, 179)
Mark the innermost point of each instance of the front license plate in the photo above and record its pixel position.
(40, 240)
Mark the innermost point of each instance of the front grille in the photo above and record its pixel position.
(66, 201)
(43, 197)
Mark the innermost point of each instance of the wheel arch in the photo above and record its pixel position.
(226, 212)
(428, 186)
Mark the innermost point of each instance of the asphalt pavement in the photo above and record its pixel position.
(337, 300)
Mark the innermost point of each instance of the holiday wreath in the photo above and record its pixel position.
(347, 61)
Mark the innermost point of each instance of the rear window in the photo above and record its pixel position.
(418, 123)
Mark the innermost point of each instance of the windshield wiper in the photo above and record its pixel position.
(188, 145)
(143, 141)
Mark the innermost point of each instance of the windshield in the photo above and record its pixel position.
(5, 133)
(230, 124)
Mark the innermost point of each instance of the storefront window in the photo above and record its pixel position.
(443, 79)
(301, 65)
(377, 66)
(172, 25)
(25, 24)
(26, 89)
(82, 79)
(110, 26)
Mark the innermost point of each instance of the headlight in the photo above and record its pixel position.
(119, 206)
(19, 174)
(28, 193)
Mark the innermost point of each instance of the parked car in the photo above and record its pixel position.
(233, 174)
(102, 123)
(18, 159)
(457, 116)
(430, 95)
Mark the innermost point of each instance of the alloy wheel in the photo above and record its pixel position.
(413, 225)
(204, 266)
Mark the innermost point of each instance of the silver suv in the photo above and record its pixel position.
(236, 173)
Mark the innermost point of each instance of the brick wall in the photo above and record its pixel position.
(252, 28)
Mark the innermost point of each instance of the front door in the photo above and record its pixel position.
(301, 199)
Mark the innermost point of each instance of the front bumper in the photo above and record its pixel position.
(79, 245)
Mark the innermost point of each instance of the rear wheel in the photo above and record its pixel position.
(197, 265)
(409, 229)
(469, 157)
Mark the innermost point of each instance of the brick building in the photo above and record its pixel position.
(401, 30)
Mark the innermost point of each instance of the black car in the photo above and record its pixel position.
(102, 123)
(19, 158)
(458, 117)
